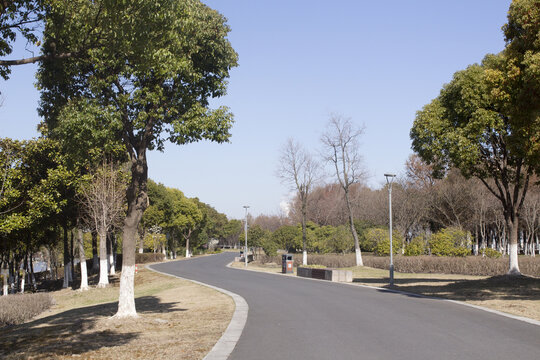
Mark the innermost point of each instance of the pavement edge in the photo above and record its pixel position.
(226, 344)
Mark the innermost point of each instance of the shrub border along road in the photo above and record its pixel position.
(401, 292)
(230, 337)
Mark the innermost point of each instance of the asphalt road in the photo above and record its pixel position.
(292, 318)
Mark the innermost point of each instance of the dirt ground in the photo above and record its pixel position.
(177, 320)
(513, 295)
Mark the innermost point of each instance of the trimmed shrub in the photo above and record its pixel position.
(416, 247)
(461, 251)
(491, 253)
(148, 258)
(18, 308)
(447, 242)
(313, 266)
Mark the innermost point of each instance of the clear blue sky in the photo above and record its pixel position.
(377, 62)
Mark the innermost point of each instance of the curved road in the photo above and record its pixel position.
(293, 318)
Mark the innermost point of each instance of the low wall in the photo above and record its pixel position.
(337, 275)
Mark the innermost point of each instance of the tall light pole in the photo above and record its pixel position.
(389, 181)
(245, 232)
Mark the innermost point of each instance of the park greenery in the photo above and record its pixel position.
(119, 79)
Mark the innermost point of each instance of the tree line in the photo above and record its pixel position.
(46, 207)
(477, 148)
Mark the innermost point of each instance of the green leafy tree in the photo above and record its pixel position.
(485, 121)
(155, 65)
(286, 238)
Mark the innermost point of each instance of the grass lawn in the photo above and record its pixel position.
(177, 319)
(518, 296)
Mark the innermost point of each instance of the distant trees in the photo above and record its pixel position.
(300, 171)
(102, 200)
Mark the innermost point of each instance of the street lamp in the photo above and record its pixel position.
(389, 181)
(245, 232)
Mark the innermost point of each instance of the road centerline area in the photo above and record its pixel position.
(291, 318)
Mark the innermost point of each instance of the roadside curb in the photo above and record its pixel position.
(226, 344)
(515, 317)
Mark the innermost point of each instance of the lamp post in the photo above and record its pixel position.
(245, 232)
(389, 181)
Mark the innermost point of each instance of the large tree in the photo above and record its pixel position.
(155, 67)
(486, 120)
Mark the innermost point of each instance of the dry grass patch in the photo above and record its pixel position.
(177, 319)
(514, 295)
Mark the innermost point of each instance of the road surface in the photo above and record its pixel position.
(294, 318)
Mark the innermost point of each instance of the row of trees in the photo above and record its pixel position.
(41, 198)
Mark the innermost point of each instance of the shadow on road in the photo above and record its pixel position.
(493, 288)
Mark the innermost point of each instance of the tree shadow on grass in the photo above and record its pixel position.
(494, 288)
(75, 331)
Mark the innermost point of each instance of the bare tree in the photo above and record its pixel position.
(103, 201)
(298, 168)
(341, 142)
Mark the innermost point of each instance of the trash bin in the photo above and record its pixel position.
(287, 264)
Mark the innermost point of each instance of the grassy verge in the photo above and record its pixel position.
(177, 319)
(518, 296)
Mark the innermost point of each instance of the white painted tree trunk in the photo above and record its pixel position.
(103, 273)
(103, 262)
(187, 253)
(23, 277)
(304, 257)
(513, 266)
(359, 261)
(82, 260)
(126, 300)
(112, 269)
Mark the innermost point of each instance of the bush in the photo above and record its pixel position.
(416, 247)
(148, 258)
(18, 308)
(378, 240)
(491, 253)
(461, 251)
(449, 242)
(383, 247)
(269, 247)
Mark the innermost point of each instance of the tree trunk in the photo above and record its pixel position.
(95, 256)
(141, 244)
(137, 200)
(513, 227)
(67, 263)
(103, 263)
(359, 261)
(110, 252)
(72, 258)
(304, 233)
(32, 274)
(82, 260)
